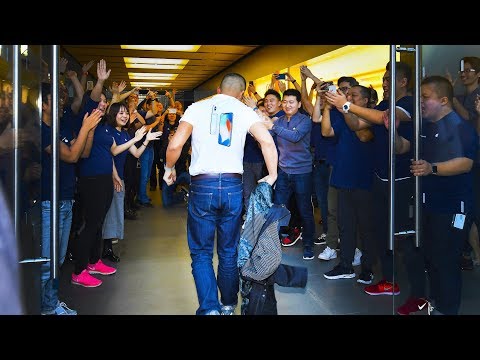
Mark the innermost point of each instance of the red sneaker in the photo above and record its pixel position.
(412, 305)
(382, 288)
(85, 279)
(292, 238)
(101, 268)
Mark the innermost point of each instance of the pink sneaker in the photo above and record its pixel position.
(101, 268)
(85, 279)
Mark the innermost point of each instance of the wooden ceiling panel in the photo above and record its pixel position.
(208, 61)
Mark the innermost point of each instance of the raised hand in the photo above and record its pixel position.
(282, 86)
(140, 133)
(448, 76)
(62, 65)
(122, 86)
(102, 72)
(91, 121)
(154, 135)
(71, 74)
(87, 66)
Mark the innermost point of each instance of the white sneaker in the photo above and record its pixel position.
(328, 254)
(357, 257)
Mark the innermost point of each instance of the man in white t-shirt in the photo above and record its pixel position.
(218, 126)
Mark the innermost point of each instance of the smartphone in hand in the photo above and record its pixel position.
(281, 76)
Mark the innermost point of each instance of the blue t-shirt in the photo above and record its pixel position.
(449, 138)
(354, 160)
(321, 143)
(121, 137)
(89, 106)
(405, 129)
(252, 151)
(293, 143)
(100, 160)
(67, 170)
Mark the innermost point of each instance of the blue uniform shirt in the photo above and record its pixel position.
(100, 160)
(67, 170)
(354, 160)
(449, 138)
(405, 129)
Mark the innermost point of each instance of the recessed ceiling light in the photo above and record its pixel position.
(154, 63)
(191, 48)
(151, 76)
(148, 84)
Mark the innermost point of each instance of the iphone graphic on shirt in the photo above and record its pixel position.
(225, 129)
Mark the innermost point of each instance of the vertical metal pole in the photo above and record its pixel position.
(418, 127)
(54, 206)
(391, 149)
(17, 98)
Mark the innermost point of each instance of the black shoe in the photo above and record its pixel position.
(110, 255)
(130, 215)
(149, 204)
(365, 277)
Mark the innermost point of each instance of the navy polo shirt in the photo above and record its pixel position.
(121, 137)
(321, 143)
(252, 151)
(100, 160)
(405, 129)
(354, 159)
(89, 106)
(449, 138)
(293, 143)
(67, 170)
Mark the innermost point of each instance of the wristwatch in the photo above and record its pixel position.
(434, 170)
(346, 107)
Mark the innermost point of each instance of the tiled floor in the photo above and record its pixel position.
(154, 277)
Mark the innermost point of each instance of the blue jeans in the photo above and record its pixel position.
(301, 186)
(146, 161)
(321, 178)
(169, 196)
(49, 291)
(215, 207)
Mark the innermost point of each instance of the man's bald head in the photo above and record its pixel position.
(233, 84)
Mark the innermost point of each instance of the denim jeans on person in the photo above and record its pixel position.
(215, 207)
(321, 179)
(49, 291)
(169, 196)
(146, 161)
(301, 185)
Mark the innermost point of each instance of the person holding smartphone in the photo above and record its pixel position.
(215, 198)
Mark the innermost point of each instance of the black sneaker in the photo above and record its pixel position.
(340, 272)
(321, 240)
(365, 277)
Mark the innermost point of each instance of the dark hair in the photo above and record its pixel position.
(474, 61)
(293, 92)
(403, 70)
(364, 91)
(46, 90)
(351, 80)
(261, 102)
(114, 110)
(274, 93)
(373, 96)
(443, 87)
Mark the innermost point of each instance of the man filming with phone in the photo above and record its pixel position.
(218, 127)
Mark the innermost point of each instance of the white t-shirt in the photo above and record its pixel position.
(216, 149)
